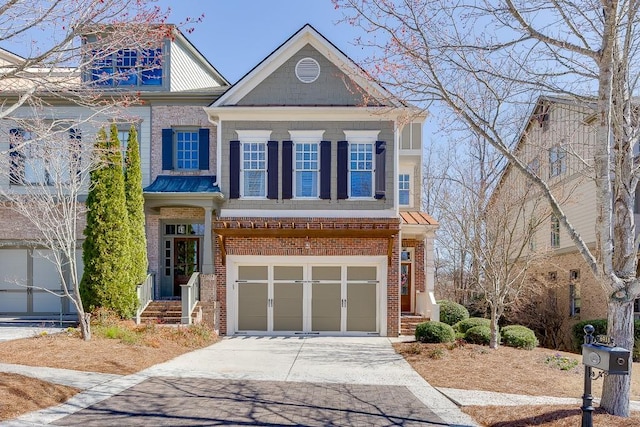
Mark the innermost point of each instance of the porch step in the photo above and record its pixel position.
(166, 312)
(409, 322)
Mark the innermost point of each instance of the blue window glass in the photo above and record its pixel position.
(102, 71)
(128, 67)
(187, 147)
(151, 73)
(361, 170)
(254, 166)
(306, 168)
(403, 189)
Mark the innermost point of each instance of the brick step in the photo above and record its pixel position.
(408, 324)
(166, 312)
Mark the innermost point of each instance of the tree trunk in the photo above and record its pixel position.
(494, 342)
(84, 320)
(616, 389)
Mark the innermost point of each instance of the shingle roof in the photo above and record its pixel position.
(183, 184)
(417, 218)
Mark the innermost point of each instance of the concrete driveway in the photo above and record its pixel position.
(304, 381)
(13, 330)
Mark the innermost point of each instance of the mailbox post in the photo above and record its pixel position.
(610, 360)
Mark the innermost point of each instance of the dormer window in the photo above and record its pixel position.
(128, 67)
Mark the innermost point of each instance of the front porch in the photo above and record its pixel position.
(186, 310)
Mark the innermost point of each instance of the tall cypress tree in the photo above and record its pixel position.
(135, 208)
(107, 278)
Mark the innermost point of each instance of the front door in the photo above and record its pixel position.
(406, 287)
(185, 261)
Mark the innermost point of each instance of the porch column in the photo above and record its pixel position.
(207, 255)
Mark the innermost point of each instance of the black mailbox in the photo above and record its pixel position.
(613, 360)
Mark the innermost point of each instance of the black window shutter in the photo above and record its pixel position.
(343, 169)
(15, 153)
(234, 169)
(272, 170)
(203, 149)
(325, 170)
(381, 155)
(287, 169)
(167, 149)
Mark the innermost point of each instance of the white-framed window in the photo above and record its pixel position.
(361, 163)
(574, 293)
(253, 161)
(306, 163)
(404, 189)
(123, 136)
(46, 159)
(555, 232)
(557, 161)
(187, 150)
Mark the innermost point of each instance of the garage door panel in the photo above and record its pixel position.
(325, 307)
(45, 273)
(13, 268)
(287, 307)
(13, 302)
(44, 302)
(252, 306)
(361, 307)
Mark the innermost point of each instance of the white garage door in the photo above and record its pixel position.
(313, 298)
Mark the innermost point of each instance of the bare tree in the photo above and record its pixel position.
(74, 73)
(52, 179)
(443, 52)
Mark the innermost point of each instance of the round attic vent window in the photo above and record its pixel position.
(307, 70)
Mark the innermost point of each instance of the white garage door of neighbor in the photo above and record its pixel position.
(30, 284)
(280, 298)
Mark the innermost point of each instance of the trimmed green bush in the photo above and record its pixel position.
(464, 325)
(519, 336)
(479, 335)
(600, 326)
(434, 332)
(452, 312)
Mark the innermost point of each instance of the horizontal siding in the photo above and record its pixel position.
(334, 131)
(186, 72)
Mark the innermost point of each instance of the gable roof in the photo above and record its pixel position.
(306, 35)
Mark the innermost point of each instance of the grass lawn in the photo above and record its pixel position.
(539, 372)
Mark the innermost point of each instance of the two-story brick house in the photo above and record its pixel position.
(309, 238)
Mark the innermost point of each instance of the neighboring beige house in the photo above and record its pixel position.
(288, 203)
(557, 143)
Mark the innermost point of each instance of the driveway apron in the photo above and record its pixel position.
(274, 381)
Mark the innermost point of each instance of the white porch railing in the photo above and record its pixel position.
(145, 295)
(190, 297)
